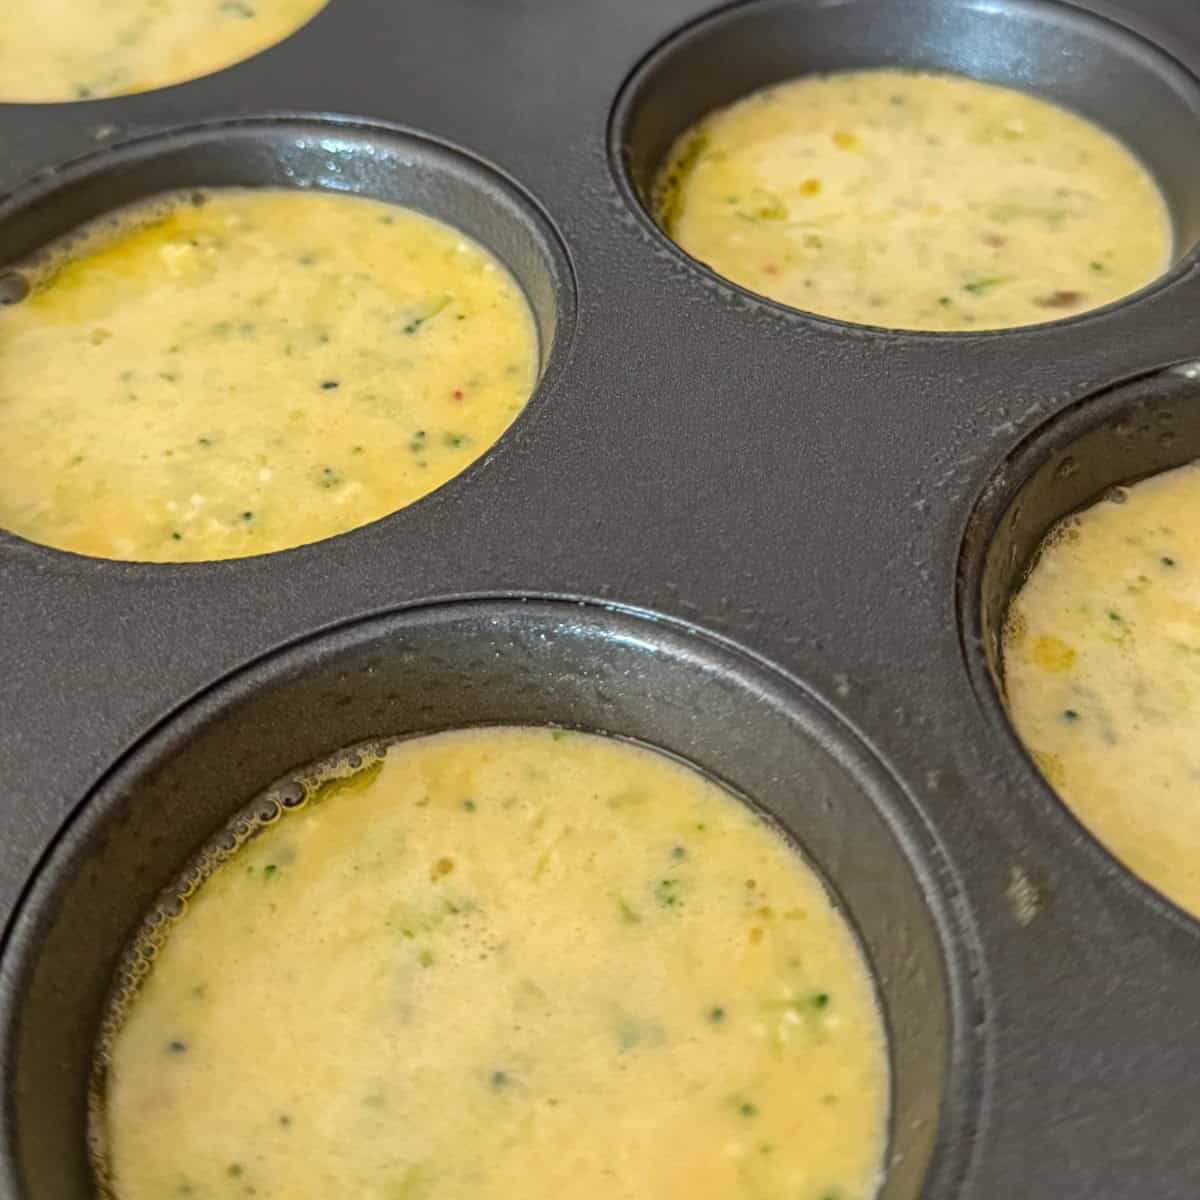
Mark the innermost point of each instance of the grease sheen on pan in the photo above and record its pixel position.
(914, 201)
(1102, 674)
(56, 50)
(240, 371)
(499, 963)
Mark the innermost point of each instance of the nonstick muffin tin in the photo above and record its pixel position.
(774, 544)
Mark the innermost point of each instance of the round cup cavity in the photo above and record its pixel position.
(1081, 61)
(472, 663)
(1137, 429)
(309, 153)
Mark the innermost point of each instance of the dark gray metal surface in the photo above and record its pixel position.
(796, 486)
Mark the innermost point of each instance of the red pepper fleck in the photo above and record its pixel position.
(771, 269)
(457, 394)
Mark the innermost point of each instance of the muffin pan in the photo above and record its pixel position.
(774, 544)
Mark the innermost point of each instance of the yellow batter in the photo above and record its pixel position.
(505, 964)
(914, 201)
(260, 370)
(1102, 670)
(85, 49)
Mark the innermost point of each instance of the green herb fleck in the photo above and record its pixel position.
(1096, 266)
(269, 871)
(248, 515)
(979, 286)
(1069, 714)
(327, 385)
(177, 1047)
(454, 439)
(716, 1015)
(425, 958)
(945, 301)
(814, 1002)
(558, 734)
(234, 1170)
(667, 893)
(426, 312)
(629, 914)
(176, 536)
(328, 478)
(238, 8)
(500, 1080)
(469, 805)
(1167, 560)
(747, 1109)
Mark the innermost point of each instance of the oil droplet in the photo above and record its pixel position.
(1053, 654)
